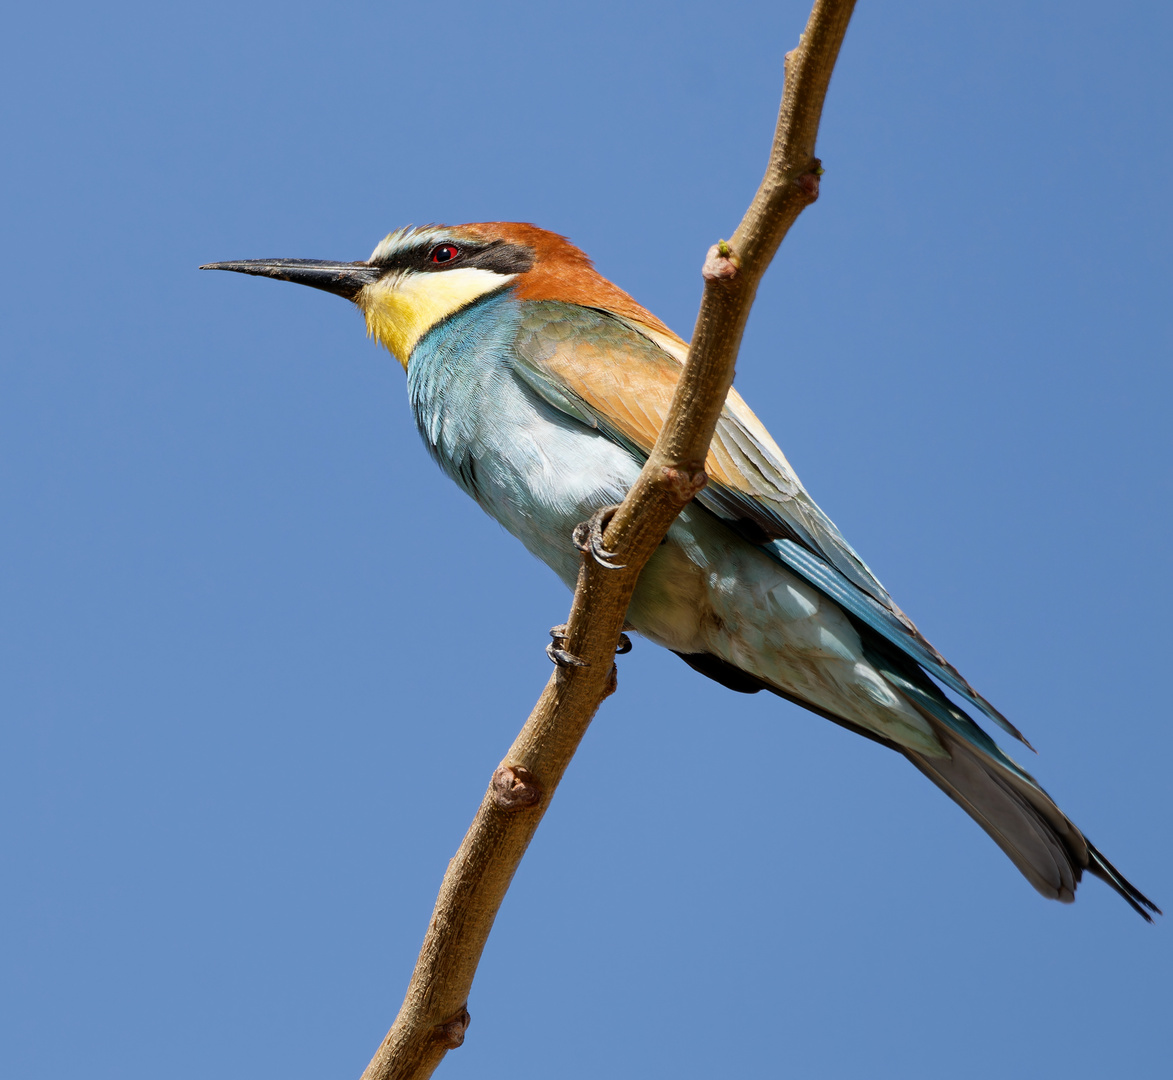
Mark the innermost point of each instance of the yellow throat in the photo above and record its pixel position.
(401, 308)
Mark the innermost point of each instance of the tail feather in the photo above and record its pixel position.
(1024, 822)
(1001, 796)
(995, 791)
(1099, 867)
(1041, 852)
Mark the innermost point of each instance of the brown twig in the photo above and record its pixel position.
(434, 1015)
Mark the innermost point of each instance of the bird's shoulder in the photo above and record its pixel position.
(620, 374)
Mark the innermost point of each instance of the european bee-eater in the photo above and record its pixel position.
(540, 387)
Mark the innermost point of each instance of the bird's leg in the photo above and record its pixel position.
(588, 538)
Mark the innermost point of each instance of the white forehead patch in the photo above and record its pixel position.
(409, 237)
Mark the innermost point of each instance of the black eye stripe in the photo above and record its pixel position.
(499, 256)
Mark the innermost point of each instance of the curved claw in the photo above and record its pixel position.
(588, 538)
(559, 655)
(624, 645)
(564, 659)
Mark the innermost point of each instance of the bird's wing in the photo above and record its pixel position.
(618, 376)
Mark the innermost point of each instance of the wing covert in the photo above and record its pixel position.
(618, 376)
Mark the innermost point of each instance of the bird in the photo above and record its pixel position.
(540, 387)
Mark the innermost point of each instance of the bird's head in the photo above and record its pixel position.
(417, 277)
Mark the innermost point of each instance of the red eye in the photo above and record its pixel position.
(444, 253)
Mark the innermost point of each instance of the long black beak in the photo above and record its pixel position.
(342, 279)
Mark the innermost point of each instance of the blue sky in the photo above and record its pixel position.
(259, 658)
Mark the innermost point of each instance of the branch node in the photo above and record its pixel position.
(588, 538)
(683, 483)
(515, 787)
(451, 1033)
(720, 263)
(612, 682)
(808, 182)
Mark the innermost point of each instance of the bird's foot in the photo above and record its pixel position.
(558, 654)
(562, 658)
(588, 538)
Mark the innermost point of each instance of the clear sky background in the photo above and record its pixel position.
(259, 657)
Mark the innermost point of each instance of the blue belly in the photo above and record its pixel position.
(534, 469)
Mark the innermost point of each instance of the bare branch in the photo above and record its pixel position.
(434, 1014)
